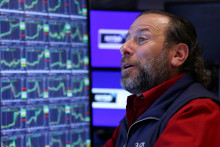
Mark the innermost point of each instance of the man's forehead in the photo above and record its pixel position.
(150, 22)
(142, 27)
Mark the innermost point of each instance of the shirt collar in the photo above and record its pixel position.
(137, 105)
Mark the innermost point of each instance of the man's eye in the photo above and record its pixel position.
(141, 39)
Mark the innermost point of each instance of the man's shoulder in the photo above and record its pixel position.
(200, 108)
(202, 104)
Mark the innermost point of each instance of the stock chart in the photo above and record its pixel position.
(44, 80)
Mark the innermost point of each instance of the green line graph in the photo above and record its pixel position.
(78, 59)
(76, 33)
(3, 2)
(38, 28)
(59, 111)
(34, 86)
(31, 6)
(79, 142)
(31, 54)
(37, 140)
(10, 85)
(10, 142)
(12, 64)
(75, 112)
(37, 112)
(78, 86)
(15, 116)
(59, 63)
(79, 9)
(57, 31)
(60, 86)
(9, 4)
(58, 58)
(56, 7)
(10, 58)
(80, 138)
(12, 27)
(56, 140)
(57, 87)
(29, 144)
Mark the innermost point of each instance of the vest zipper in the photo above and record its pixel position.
(152, 118)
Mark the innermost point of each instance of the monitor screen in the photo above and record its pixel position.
(109, 100)
(206, 19)
(44, 80)
(108, 31)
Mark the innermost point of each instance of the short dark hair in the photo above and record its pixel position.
(181, 30)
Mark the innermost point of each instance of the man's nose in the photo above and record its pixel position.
(126, 49)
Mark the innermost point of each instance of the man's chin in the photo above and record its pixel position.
(128, 73)
(126, 81)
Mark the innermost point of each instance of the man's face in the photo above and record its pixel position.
(145, 62)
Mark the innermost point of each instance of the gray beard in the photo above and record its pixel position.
(152, 73)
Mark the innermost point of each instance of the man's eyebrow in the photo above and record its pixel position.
(143, 30)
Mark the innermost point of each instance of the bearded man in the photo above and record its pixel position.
(170, 106)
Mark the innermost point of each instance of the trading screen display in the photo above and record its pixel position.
(108, 31)
(109, 100)
(44, 71)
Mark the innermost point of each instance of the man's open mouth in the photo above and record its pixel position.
(127, 65)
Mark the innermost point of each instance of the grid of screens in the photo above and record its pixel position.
(44, 73)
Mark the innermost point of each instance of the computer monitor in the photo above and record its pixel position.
(108, 31)
(45, 82)
(109, 99)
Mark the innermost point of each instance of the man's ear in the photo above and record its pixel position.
(179, 54)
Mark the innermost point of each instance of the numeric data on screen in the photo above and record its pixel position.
(44, 67)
